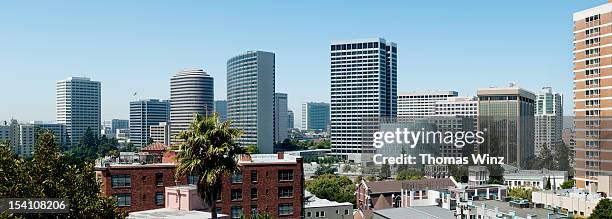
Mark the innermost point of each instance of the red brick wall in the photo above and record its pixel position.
(268, 181)
(143, 186)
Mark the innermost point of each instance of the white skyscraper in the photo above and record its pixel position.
(548, 119)
(363, 86)
(78, 104)
(281, 117)
(250, 98)
(420, 104)
(191, 92)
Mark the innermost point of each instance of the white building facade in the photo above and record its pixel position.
(250, 98)
(363, 86)
(78, 106)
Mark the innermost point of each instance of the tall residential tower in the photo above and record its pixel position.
(593, 93)
(78, 106)
(250, 98)
(548, 119)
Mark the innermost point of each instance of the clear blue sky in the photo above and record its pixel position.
(136, 46)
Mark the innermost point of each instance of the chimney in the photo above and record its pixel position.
(281, 155)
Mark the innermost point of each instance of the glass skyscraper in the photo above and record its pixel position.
(143, 115)
(315, 116)
(506, 116)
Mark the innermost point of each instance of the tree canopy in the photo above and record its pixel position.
(49, 175)
(333, 188)
(603, 209)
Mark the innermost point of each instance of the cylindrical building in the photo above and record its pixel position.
(191, 92)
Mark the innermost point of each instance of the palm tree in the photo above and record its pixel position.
(208, 151)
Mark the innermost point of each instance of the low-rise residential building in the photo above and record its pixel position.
(371, 196)
(266, 183)
(500, 209)
(430, 212)
(535, 178)
(179, 202)
(478, 175)
(315, 207)
(579, 202)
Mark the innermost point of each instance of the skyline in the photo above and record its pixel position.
(148, 43)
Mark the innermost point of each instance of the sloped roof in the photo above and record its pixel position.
(156, 146)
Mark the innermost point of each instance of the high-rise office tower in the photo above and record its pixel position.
(143, 115)
(191, 92)
(280, 117)
(315, 116)
(109, 128)
(250, 98)
(548, 119)
(506, 116)
(420, 104)
(290, 119)
(221, 109)
(78, 106)
(592, 93)
(363, 86)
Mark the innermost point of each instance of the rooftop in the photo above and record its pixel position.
(171, 213)
(415, 212)
(312, 201)
(574, 193)
(422, 184)
(535, 173)
(504, 208)
(267, 158)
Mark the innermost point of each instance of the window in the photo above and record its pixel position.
(124, 199)
(236, 194)
(285, 209)
(121, 181)
(159, 198)
(237, 178)
(236, 212)
(285, 192)
(219, 194)
(193, 180)
(309, 214)
(253, 210)
(322, 213)
(254, 176)
(346, 211)
(317, 214)
(285, 175)
(253, 193)
(159, 179)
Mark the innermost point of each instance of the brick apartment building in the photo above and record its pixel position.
(267, 183)
(592, 93)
